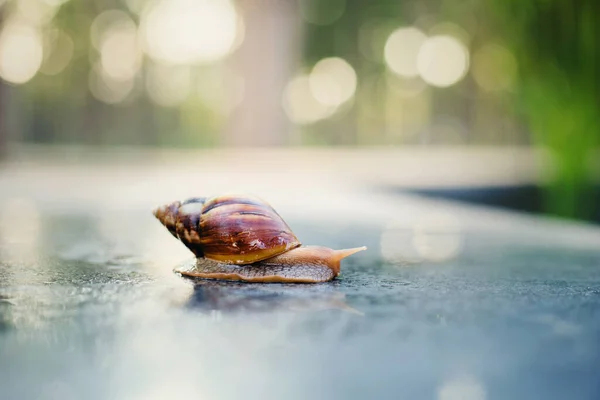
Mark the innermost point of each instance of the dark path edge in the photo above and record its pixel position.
(524, 198)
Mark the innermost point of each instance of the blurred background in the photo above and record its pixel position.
(455, 89)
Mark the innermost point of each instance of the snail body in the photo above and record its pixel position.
(238, 237)
(310, 264)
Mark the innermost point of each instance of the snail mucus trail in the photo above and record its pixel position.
(242, 238)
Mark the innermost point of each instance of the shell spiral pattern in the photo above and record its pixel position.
(234, 229)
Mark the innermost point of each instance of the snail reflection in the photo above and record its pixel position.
(234, 297)
(242, 238)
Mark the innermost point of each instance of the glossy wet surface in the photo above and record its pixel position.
(449, 302)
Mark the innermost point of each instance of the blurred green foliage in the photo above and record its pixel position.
(556, 45)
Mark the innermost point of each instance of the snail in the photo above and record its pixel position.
(242, 238)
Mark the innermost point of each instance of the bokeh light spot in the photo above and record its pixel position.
(401, 51)
(120, 55)
(300, 104)
(189, 31)
(36, 12)
(107, 89)
(332, 81)
(463, 388)
(442, 61)
(21, 53)
(396, 245)
(438, 237)
(104, 22)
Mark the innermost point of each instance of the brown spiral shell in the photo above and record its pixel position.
(236, 229)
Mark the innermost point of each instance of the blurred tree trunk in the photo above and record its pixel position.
(265, 61)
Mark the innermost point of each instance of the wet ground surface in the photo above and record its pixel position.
(449, 302)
